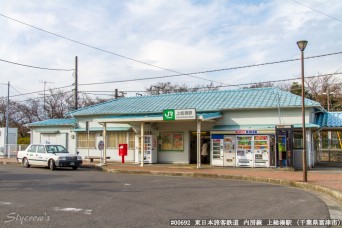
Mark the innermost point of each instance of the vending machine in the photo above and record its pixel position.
(261, 151)
(217, 152)
(244, 151)
(229, 153)
(150, 149)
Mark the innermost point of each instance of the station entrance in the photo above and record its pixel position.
(205, 137)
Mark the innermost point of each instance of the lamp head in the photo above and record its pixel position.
(302, 44)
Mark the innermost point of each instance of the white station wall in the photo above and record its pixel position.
(173, 127)
(267, 116)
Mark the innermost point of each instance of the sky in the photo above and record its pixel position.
(182, 36)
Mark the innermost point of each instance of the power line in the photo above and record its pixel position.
(211, 71)
(41, 97)
(41, 68)
(109, 92)
(97, 94)
(14, 89)
(233, 85)
(103, 50)
(201, 72)
(317, 11)
(284, 80)
(41, 91)
(155, 66)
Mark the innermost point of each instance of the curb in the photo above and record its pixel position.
(9, 163)
(316, 188)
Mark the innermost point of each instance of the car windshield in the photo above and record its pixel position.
(55, 149)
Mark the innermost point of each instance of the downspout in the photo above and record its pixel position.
(278, 104)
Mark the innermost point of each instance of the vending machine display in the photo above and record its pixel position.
(244, 151)
(229, 153)
(261, 151)
(217, 149)
(150, 149)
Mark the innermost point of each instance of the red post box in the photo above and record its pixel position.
(123, 151)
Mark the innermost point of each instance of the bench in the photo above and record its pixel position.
(91, 158)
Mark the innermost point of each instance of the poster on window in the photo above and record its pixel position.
(177, 141)
(172, 142)
(166, 141)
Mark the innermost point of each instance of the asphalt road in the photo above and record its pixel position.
(38, 197)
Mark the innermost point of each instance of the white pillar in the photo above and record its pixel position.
(142, 150)
(104, 142)
(198, 143)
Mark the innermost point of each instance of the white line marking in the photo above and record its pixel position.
(127, 184)
(335, 214)
(5, 203)
(70, 209)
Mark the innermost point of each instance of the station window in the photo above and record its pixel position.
(116, 138)
(131, 143)
(297, 140)
(82, 140)
(112, 140)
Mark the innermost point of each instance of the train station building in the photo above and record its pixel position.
(244, 128)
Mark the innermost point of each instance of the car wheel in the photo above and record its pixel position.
(52, 165)
(26, 163)
(74, 167)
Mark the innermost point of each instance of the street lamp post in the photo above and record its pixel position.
(301, 45)
(7, 149)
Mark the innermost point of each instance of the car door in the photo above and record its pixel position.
(32, 155)
(41, 155)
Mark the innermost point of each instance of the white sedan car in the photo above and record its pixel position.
(48, 155)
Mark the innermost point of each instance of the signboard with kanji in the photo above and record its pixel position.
(169, 114)
(179, 114)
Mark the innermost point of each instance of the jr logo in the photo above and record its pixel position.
(169, 114)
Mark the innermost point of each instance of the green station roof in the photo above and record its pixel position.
(212, 101)
(53, 122)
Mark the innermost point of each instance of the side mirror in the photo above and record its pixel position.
(78, 152)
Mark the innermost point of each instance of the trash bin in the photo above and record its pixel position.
(283, 162)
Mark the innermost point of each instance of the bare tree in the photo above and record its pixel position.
(2, 112)
(56, 104)
(326, 90)
(23, 113)
(167, 87)
(262, 85)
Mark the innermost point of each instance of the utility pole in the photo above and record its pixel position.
(116, 94)
(7, 117)
(44, 107)
(76, 84)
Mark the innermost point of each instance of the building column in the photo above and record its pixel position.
(104, 142)
(198, 143)
(142, 149)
